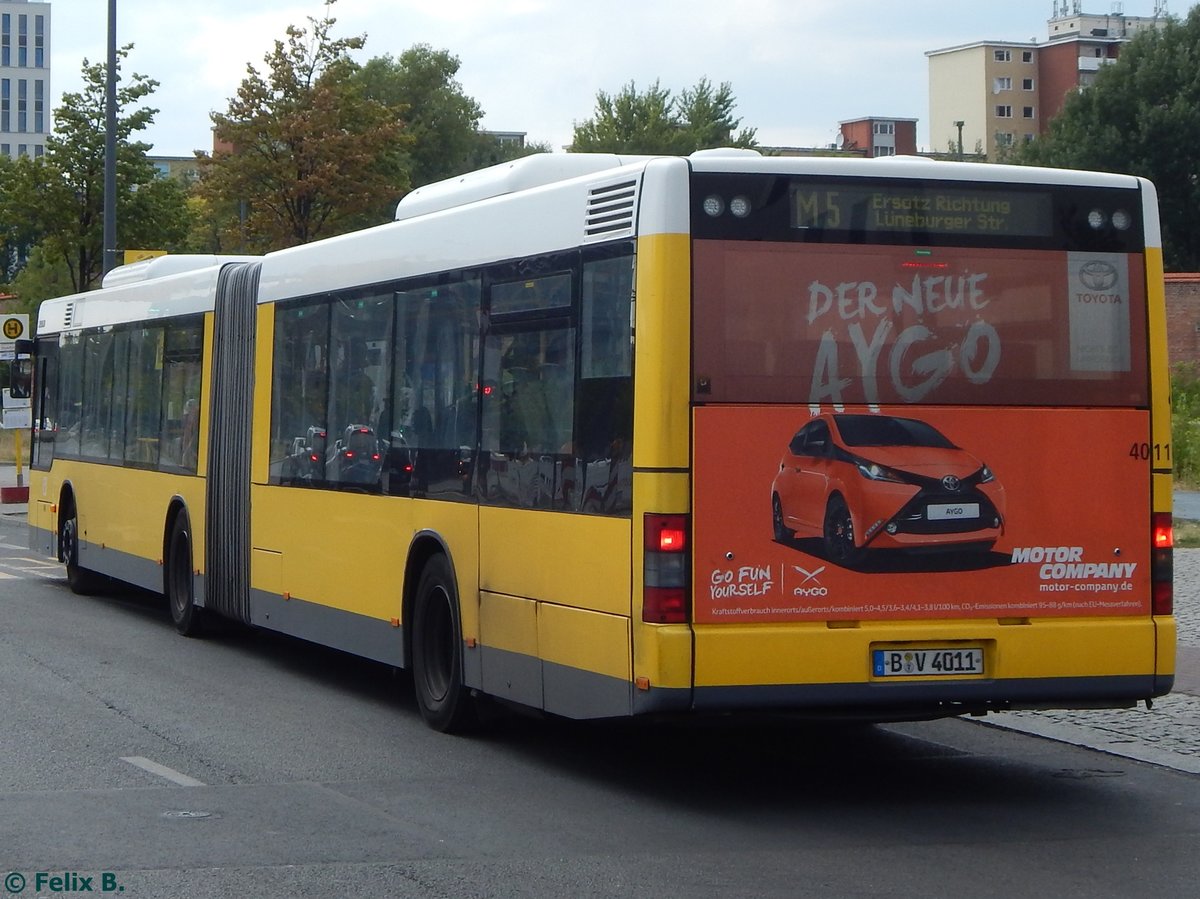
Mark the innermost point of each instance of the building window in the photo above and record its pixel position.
(1004, 112)
(1026, 84)
(22, 40)
(39, 106)
(1002, 55)
(22, 105)
(1027, 112)
(6, 104)
(1026, 56)
(885, 127)
(1003, 83)
(39, 41)
(1004, 139)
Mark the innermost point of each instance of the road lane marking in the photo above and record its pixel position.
(162, 771)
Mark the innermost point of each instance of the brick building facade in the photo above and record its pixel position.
(1183, 317)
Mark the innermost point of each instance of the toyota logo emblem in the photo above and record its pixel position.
(1098, 275)
(951, 483)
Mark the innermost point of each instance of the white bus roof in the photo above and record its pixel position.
(467, 221)
(189, 291)
(161, 266)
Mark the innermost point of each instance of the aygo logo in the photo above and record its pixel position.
(809, 586)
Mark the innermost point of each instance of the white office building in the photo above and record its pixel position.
(24, 77)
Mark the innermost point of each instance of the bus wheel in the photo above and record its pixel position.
(446, 705)
(839, 533)
(81, 581)
(179, 583)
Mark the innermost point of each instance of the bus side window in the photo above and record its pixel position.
(604, 439)
(45, 403)
(299, 425)
(360, 387)
(432, 445)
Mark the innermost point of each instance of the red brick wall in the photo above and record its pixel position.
(1183, 318)
(1058, 72)
(857, 135)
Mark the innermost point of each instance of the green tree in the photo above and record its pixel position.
(1141, 116)
(708, 120)
(489, 151)
(55, 203)
(442, 121)
(309, 154)
(654, 121)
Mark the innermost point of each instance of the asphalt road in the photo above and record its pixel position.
(245, 764)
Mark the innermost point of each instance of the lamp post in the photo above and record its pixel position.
(959, 125)
(110, 146)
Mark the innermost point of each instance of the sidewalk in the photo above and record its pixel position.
(8, 480)
(1168, 734)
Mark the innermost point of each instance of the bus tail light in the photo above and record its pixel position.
(666, 560)
(1162, 565)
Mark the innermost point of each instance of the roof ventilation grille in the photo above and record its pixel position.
(610, 209)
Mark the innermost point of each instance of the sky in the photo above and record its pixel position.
(796, 67)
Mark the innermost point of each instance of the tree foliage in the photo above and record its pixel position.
(441, 120)
(1141, 116)
(654, 121)
(54, 204)
(309, 153)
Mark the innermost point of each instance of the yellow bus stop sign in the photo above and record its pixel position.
(12, 328)
(139, 255)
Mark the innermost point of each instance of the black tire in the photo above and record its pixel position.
(179, 582)
(445, 704)
(81, 581)
(783, 534)
(839, 533)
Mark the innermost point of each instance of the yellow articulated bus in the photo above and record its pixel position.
(609, 436)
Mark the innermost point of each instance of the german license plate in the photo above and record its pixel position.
(952, 511)
(927, 662)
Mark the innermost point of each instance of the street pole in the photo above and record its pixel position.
(110, 146)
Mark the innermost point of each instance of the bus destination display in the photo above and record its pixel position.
(934, 210)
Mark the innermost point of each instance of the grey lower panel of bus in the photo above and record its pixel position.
(370, 638)
(113, 563)
(43, 541)
(558, 689)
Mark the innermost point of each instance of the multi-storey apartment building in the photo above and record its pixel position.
(880, 135)
(24, 77)
(988, 95)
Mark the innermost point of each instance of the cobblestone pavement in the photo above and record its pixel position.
(1167, 734)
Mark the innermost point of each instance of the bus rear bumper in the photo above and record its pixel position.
(946, 698)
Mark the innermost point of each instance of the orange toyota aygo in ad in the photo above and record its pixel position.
(869, 481)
